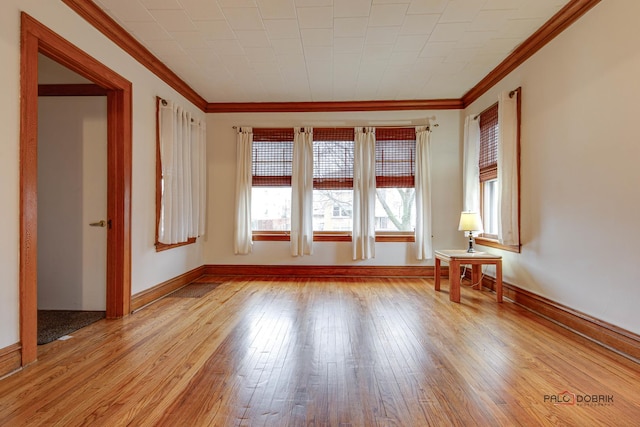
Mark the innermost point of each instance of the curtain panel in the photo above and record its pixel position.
(242, 243)
(423, 194)
(508, 228)
(302, 193)
(364, 193)
(183, 164)
(470, 166)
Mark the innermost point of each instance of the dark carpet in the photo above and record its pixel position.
(194, 290)
(53, 324)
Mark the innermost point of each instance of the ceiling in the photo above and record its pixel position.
(330, 50)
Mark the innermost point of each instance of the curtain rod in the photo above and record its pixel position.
(435, 125)
(165, 103)
(513, 92)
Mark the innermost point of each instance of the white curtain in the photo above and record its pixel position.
(508, 233)
(183, 162)
(470, 166)
(302, 193)
(242, 226)
(364, 193)
(423, 194)
(198, 177)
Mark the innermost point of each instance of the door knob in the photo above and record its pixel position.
(101, 223)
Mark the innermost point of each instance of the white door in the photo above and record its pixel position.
(72, 194)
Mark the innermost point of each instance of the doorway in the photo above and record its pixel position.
(38, 39)
(72, 202)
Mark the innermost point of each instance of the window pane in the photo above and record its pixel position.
(271, 208)
(490, 207)
(332, 210)
(333, 159)
(395, 209)
(395, 157)
(271, 163)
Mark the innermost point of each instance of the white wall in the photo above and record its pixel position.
(72, 192)
(148, 267)
(446, 200)
(580, 174)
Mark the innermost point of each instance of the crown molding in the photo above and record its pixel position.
(570, 13)
(288, 107)
(566, 16)
(113, 31)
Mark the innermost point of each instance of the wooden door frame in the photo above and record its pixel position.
(35, 39)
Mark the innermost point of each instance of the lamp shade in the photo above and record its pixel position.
(470, 221)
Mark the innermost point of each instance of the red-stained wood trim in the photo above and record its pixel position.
(163, 289)
(492, 243)
(28, 191)
(287, 107)
(113, 31)
(119, 182)
(83, 89)
(613, 337)
(9, 359)
(35, 39)
(284, 236)
(321, 270)
(164, 246)
(566, 16)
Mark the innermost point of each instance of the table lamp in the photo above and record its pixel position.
(470, 222)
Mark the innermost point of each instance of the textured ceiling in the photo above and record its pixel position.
(330, 50)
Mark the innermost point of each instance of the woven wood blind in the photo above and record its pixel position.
(333, 158)
(395, 157)
(272, 157)
(489, 144)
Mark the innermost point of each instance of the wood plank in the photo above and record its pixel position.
(9, 359)
(625, 342)
(322, 351)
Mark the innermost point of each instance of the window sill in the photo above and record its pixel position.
(397, 236)
(330, 236)
(493, 243)
(163, 247)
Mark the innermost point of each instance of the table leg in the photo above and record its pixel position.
(454, 280)
(499, 281)
(476, 269)
(437, 278)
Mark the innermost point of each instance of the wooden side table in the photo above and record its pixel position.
(456, 258)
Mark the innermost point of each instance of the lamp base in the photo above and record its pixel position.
(470, 250)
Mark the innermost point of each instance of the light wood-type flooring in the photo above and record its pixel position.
(324, 352)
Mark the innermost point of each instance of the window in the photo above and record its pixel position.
(333, 183)
(489, 171)
(333, 179)
(489, 130)
(272, 159)
(181, 195)
(395, 181)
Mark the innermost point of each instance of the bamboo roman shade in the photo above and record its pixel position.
(272, 157)
(333, 158)
(489, 144)
(395, 157)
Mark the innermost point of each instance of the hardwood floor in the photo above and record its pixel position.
(324, 352)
